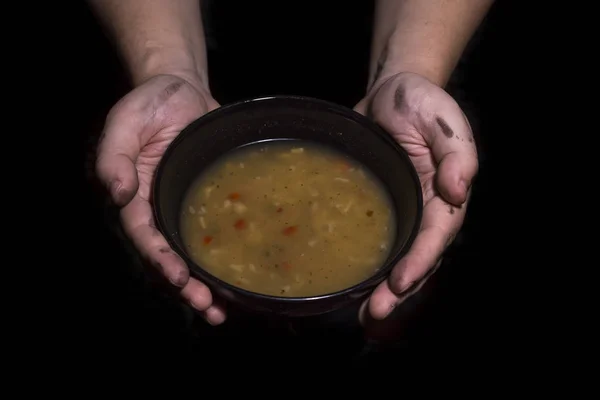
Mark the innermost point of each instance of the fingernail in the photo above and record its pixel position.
(464, 185)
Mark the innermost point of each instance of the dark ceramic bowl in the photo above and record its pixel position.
(285, 117)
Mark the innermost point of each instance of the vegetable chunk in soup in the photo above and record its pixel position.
(288, 218)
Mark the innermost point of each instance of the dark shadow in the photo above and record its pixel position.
(261, 55)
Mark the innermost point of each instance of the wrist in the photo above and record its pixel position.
(171, 61)
(424, 69)
(396, 57)
(392, 68)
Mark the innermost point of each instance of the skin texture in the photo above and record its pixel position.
(138, 130)
(430, 126)
(424, 37)
(416, 45)
(162, 44)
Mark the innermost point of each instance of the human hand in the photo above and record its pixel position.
(436, 134)
(138, 130)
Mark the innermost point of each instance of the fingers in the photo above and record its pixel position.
(384, 301)
(441, 222)
(448, 133)
(197, 294)
(117, 151)
(215, 314)
(199, 297)
(138, 223)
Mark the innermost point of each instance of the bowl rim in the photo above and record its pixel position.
(339, 109)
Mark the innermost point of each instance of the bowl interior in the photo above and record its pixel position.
(229, 127)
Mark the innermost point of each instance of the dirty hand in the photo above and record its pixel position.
(436, 134)
(138, 129)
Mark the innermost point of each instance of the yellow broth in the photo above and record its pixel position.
(288, 218)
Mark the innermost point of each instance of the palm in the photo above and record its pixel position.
(412, 141)
(164, 122)
(432, 129)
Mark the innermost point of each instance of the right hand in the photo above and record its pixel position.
(138, 130)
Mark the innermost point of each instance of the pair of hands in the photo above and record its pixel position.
(422, 117)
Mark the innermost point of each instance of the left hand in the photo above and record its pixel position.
(431, 127)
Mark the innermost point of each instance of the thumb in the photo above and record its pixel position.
(455, 174)
(451, 140)
(117, 152)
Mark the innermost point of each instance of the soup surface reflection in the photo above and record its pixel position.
(288, 218)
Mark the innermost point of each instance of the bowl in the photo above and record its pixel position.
(277, 118)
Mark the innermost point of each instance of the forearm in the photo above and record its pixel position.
(156, 36)
(422, 36)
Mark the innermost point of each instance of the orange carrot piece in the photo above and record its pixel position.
(208, 239)
(234, 196)
(290, 230)
(240, 224)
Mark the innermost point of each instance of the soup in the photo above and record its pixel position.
(288, 218)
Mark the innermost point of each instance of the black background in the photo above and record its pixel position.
(263, 48)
